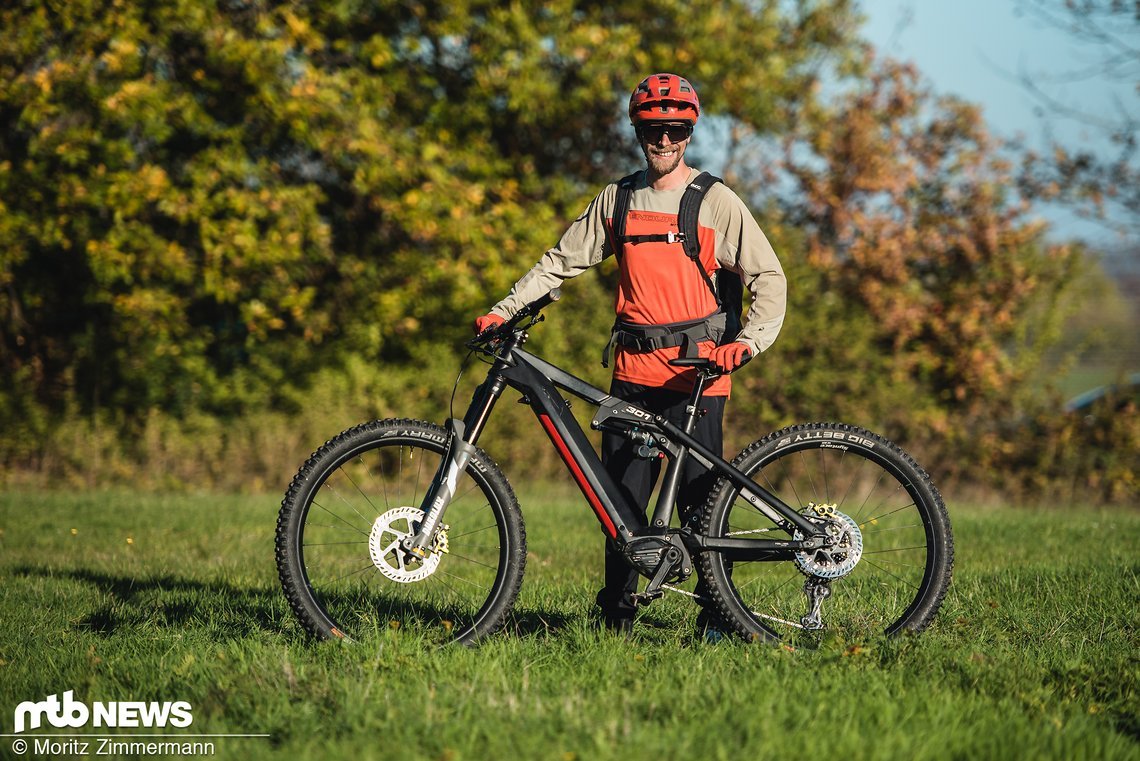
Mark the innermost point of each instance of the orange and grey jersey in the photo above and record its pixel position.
(658, 283)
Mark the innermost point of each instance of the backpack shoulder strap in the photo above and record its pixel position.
(621, 211)
(687, 222)
(690, 211)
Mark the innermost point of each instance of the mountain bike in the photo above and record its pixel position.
(406, 524)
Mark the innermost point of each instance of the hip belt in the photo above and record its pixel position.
(688, 334)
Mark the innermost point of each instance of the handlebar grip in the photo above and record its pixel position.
(536, 306)
(544, 301)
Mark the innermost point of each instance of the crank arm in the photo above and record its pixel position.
(653, 588)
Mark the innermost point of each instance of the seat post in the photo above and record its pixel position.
(693, 409)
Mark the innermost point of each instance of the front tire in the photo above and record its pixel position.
(343, 515)
(900, 550)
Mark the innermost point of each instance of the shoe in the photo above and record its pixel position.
(714, 636)
(618, 625)
(708, 628)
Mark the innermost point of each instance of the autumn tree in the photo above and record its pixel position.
(931, 290)
(204, 204)
(1101, 179)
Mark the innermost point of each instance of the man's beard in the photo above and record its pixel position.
(664, 165)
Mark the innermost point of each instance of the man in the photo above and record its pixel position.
(660, 285)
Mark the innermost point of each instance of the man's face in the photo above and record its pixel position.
(664, 144)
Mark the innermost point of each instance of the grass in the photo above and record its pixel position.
(121, 596)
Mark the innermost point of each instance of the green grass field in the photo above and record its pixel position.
(131, 597)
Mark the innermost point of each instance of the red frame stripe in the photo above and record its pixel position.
(579, 476)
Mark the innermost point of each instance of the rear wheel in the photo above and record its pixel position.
(340, 526)
(891, 561)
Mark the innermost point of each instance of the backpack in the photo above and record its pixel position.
(728, 289)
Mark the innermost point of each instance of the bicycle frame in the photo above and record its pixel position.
(539, 382)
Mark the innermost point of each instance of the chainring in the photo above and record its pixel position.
(389, 557)
(844, 553)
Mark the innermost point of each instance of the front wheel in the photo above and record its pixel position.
(892, 551)
(342, 521)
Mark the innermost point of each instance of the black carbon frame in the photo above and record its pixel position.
(539, 382)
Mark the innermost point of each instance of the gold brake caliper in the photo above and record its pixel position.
(440, 545)
(823, 511)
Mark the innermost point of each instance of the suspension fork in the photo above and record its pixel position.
(462, 435)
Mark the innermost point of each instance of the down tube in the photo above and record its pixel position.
(619, 521)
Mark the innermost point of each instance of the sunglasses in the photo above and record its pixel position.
(652, 133)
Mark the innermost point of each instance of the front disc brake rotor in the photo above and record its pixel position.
(846, 549)
(389, 530)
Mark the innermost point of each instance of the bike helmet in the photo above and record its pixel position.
(664, 97)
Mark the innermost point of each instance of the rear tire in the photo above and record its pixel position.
(893, 581)
(344, 513)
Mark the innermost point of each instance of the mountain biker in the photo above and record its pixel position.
(659, 285)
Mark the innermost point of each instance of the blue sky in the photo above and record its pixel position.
(975, 49)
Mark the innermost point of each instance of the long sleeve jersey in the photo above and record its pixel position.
(658, 283)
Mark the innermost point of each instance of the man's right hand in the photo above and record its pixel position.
(487, 321)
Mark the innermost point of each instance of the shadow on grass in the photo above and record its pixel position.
(221, 609)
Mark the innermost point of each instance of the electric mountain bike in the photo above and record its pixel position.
(403, 523)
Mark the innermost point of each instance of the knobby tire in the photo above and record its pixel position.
(326, 538)
(908, 551)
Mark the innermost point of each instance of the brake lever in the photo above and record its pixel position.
(499, 332)
(532, 312)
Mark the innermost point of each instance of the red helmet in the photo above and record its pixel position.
(664, 97)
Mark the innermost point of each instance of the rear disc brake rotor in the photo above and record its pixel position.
(846, 549)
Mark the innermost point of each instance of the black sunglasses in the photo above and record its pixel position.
(652, 133)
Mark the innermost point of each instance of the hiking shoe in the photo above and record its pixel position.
(708, 628)
(618, 625)
(714, 635)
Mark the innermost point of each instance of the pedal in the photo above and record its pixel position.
(646, 597)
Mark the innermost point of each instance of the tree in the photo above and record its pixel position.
(202, 205)
(1103, 180)
(932, 295)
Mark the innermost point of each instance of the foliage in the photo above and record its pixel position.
(931, 294)
(204, 204)
(228, 229)
(1088, 453)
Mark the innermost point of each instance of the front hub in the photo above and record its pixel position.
(385, 546)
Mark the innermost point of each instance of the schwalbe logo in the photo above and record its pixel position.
(825, 438)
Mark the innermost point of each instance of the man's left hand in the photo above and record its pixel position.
(730, 356)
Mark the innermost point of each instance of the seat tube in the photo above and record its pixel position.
(667, 500)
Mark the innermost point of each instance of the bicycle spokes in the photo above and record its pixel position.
(886, 561)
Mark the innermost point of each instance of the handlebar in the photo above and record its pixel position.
(535, 306)
(530, 310)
